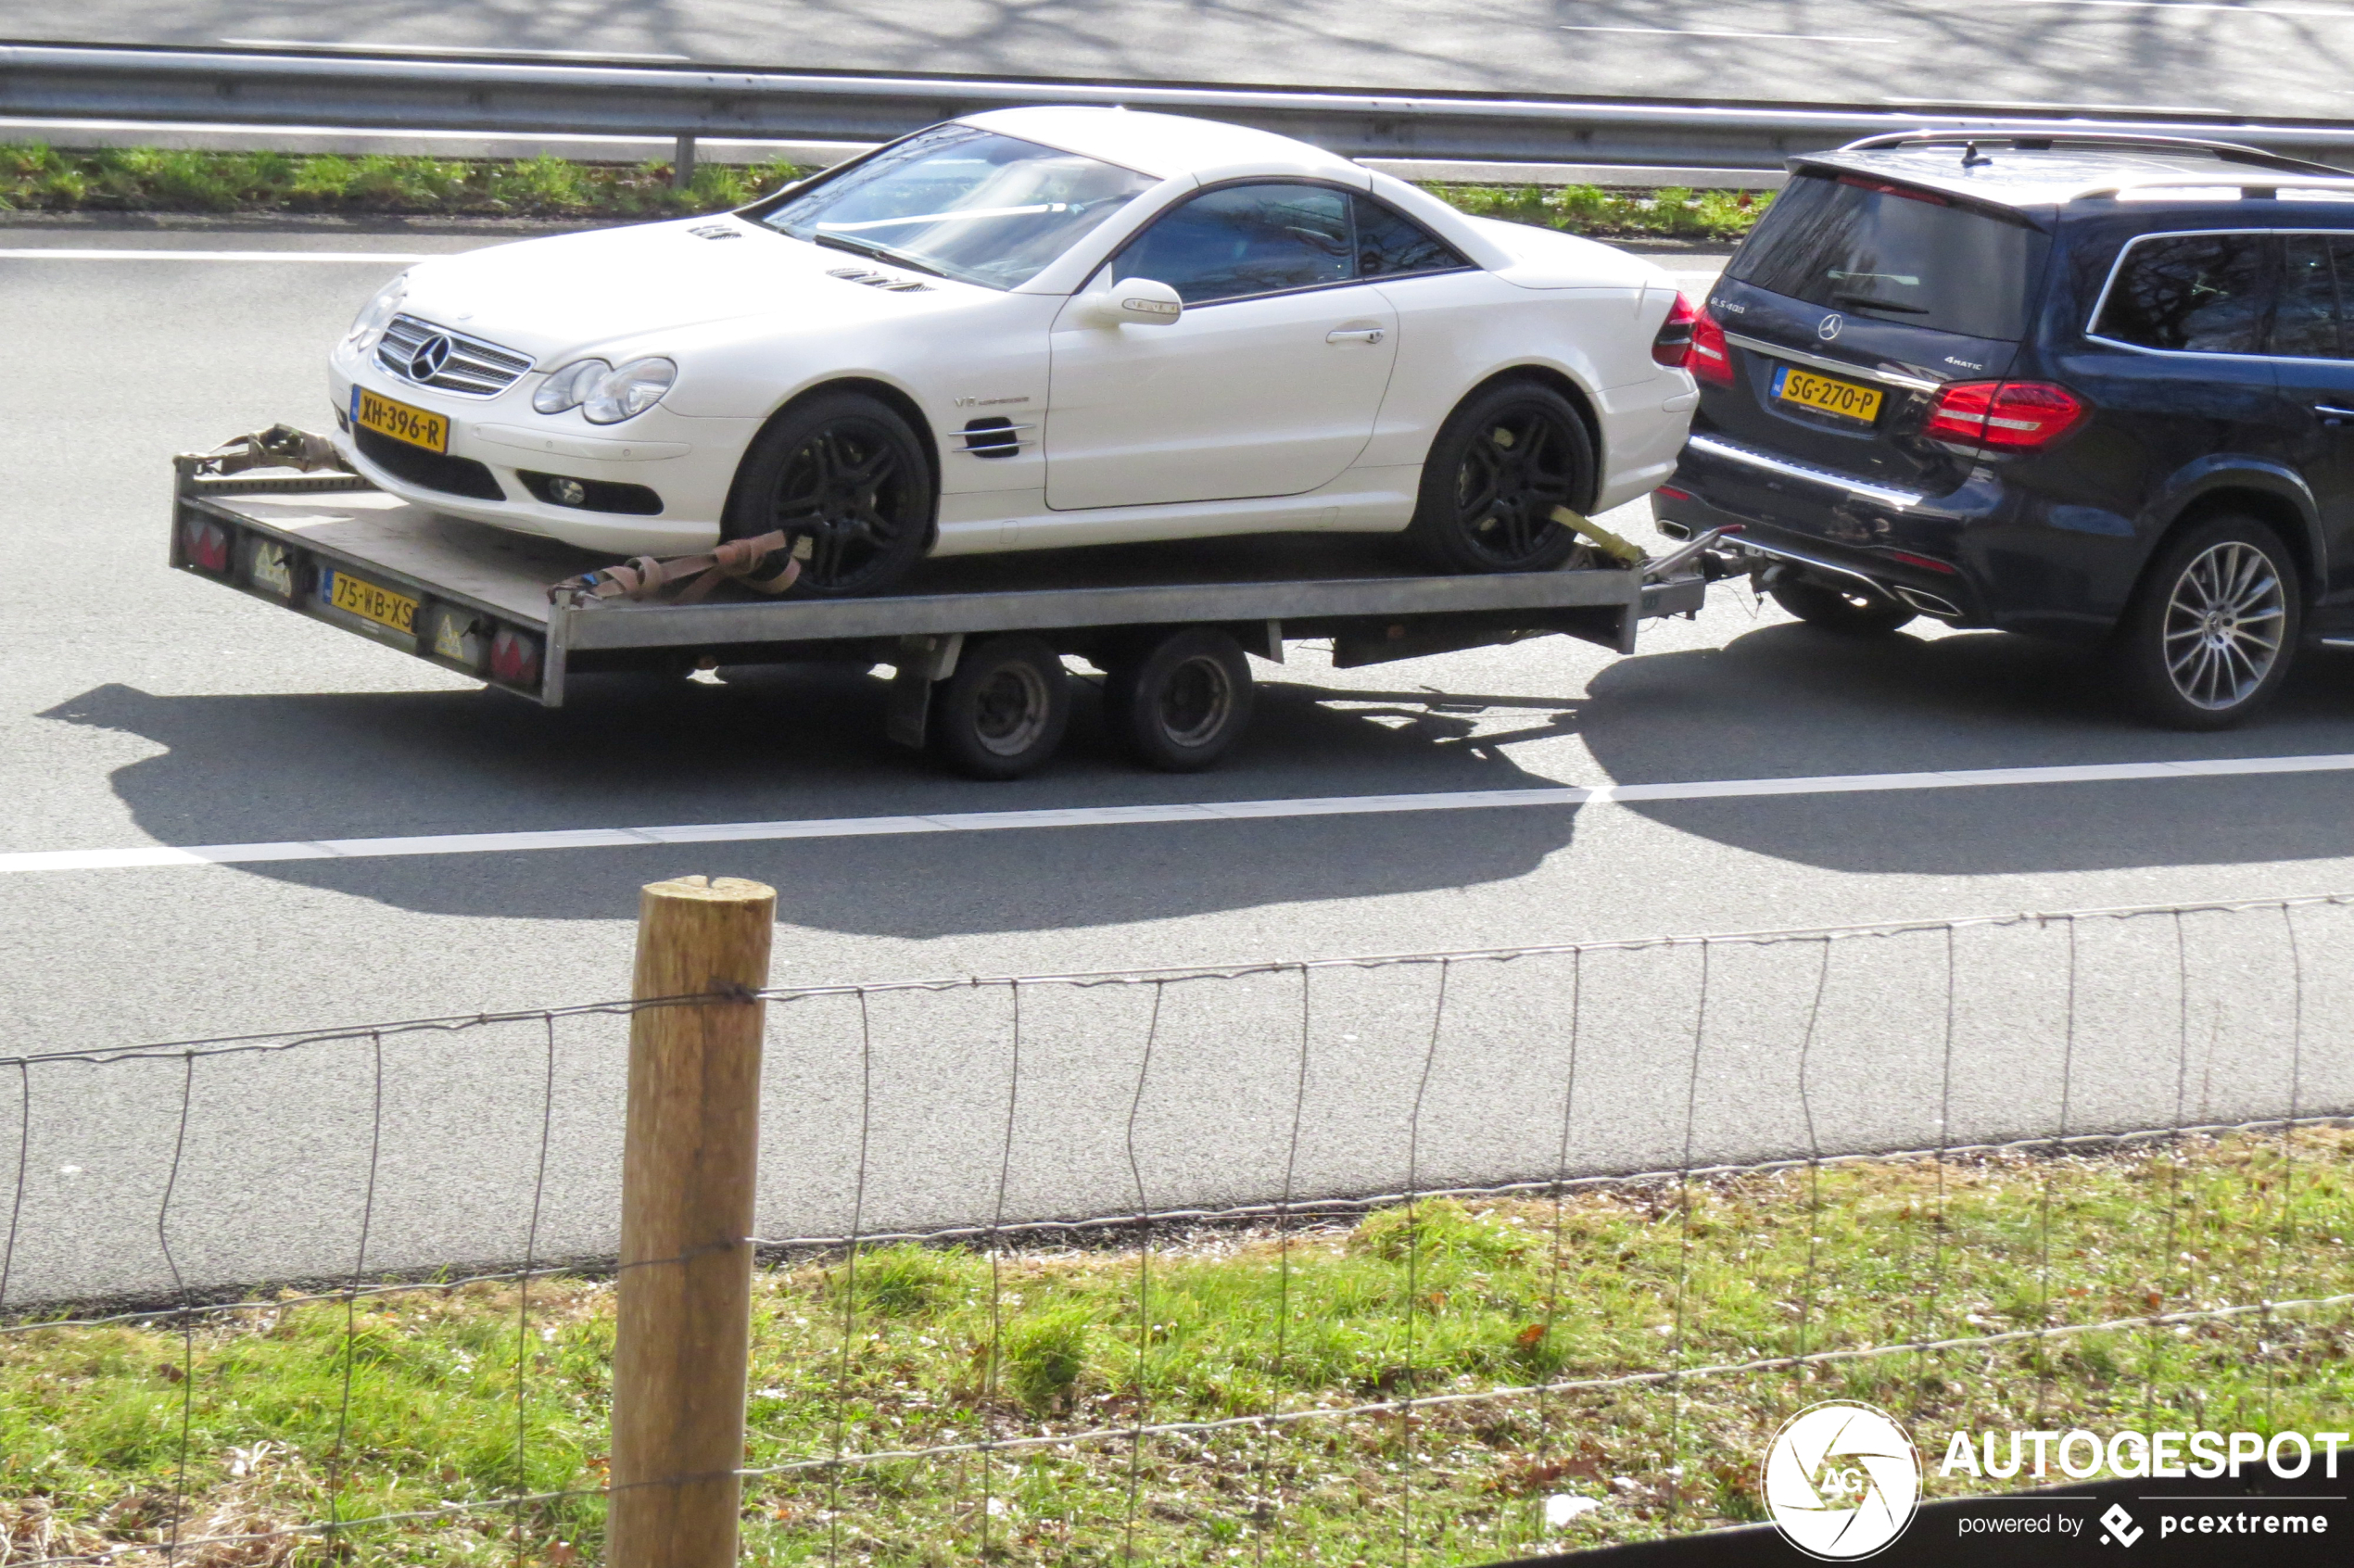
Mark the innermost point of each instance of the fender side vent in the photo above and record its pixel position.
(993, 437)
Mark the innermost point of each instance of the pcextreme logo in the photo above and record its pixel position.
(1841, 1481)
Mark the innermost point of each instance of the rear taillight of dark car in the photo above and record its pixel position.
(2004, 416)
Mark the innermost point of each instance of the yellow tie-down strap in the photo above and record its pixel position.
(1627, 553)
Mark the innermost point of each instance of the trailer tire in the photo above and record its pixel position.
(1004, 711)
(846, 475)
(1179, 703)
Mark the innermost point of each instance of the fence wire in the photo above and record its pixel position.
(1159, 1222)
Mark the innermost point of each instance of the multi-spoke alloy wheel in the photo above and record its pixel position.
(2212, 630)
(845, 476)
(2224, 623)
(1501, 466)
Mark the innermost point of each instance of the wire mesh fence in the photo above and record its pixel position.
(1421, 1258)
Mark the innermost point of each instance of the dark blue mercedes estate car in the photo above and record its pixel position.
(2092, 388)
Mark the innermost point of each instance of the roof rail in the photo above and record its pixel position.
(2227, 152)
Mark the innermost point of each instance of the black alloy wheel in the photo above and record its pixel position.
(1503, 464)
(2214, 626)
(845, 476)
(1179, 703)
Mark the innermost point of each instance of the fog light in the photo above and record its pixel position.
(568, 492)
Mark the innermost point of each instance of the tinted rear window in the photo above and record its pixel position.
(1860, 246)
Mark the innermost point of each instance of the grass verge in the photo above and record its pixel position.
(458, 1394)
(42, 178)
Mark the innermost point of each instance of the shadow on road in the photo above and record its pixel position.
(1790, 700)
(806, 742)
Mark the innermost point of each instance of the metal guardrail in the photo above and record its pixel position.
(357, 90)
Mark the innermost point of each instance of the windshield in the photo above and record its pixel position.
(965, 203)
(1852, 244)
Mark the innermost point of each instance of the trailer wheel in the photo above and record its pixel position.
(1179, 703)
(1004, 711)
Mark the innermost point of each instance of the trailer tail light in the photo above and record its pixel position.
(2009, 416)
(514, 658)
(1710, 357)
(207, 544)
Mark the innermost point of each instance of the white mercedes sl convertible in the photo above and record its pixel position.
(1027, 329)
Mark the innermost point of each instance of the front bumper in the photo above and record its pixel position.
(688, 464)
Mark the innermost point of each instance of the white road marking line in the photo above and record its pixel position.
(2190, 5)
(445, 49)
(1113, 817)
(381, 257)
(1712, 32)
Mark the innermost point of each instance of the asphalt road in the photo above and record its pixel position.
(2264, 56)
(138, 707)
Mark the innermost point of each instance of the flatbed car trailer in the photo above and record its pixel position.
(976, 647)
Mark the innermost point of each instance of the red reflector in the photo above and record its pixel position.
(2005, 416)
(1923, 562)
(1674, 340)
(1710, 357)
(1672, 493)
(514, 658)
(207, 544)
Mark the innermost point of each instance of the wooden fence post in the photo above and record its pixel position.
(684, 1330)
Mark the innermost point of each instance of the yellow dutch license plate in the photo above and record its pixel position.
(399, 421)
(1824, 394)
(370, 602)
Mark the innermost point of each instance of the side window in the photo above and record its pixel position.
(2309, 322)
(1391, 245)
(1245, 240)
(2196, 293)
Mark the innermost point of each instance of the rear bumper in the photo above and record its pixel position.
(1943, 555)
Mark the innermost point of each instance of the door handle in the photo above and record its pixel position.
(1354, 334)
(2332, 415)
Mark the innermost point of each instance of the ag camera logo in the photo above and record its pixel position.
(1841, 1481)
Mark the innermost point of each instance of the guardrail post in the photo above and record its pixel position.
(682, 164)
(684, 1332)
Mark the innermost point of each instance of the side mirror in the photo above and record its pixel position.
(1137, 302)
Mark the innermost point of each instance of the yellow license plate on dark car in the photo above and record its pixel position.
(369, 602)
(1826, 395)
(399, 421)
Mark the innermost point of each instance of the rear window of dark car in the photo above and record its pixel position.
(1866, 246)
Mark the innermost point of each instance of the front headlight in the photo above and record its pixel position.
(606, 394)
(569, 388)
(629, 391)
(368, 326)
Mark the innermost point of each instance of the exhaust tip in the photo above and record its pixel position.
(1928, 604)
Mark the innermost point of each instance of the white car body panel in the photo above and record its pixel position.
(1241, 417)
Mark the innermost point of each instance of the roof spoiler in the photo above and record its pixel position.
(2036, 140)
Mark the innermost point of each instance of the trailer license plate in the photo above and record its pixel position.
(399, 421)
(367, 600)
(1825, 396)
